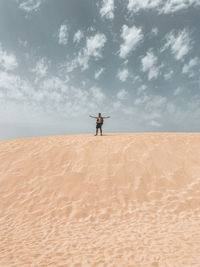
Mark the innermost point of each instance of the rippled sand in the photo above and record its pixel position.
(118, 200)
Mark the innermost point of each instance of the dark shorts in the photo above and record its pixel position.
(98, 125)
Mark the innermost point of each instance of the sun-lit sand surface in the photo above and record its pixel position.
(130, 199)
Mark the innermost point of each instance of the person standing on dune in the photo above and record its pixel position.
(99, 122)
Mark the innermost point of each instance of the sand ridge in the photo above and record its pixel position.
(128, 199)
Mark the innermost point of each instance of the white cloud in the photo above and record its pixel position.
(141, 100)
(122, 94)
(107, 9)
(78, 36)
(13, 87)
(171, 108)
(154, 123)
(132, 37)
(156, 102)
(149, 64)
(136, 5)
(151, 104)
(168, 75)
(93, 49)
(162, 6)
(177, 91)
(23, 42)
(63, 34)
(70, 66)
(56, 84)
(97, 94)
(117, 105)
(172, 6)
(30, 5)
(154, 114)
(128, 110)
(179, 43)
(95, 44)
(41, 68)
(98, 73)
(142, 88)
(123, 75)
(55, 94)
(154, 31)
(8, 61)
(188, 68)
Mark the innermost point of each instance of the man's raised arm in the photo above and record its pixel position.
(93, 117)
(106, 117)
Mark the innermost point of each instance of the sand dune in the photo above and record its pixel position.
(129, 199)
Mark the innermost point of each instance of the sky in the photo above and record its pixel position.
(136, 61)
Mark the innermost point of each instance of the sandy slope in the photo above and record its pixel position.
(115, 200)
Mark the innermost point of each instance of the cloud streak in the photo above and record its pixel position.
(107, 9)
(63, 34)
(93, 49)
(131, 38)
(162, 6)
(179, 42)
(149, 64)
(30, 5)
(8, 61)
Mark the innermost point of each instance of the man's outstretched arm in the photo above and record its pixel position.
(93, 117)
(106, 117)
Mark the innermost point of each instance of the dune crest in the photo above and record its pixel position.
(128, 199)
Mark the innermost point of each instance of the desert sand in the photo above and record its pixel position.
(128, 199)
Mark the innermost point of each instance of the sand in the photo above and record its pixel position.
(128, 199)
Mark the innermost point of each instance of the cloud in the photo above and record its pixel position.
(188, 68)
(117, 105)
(154, 123)
(98, 73)
(122, 94)
(128, 110)
(123, 75)
(167, 76)
(93, 49)
(151, 105)
(149, 64)
(95, 44)
(141, 89)
(180, 43)
(78, 36)
(56, 84)
(156, 102)
(132, 37)
(8, 61)
(136, 5)
(30, 5)
(172, 6)
(154, 31)
(107, 9)
(177, 91)
(63, 34)
(162, 6)
(23, 43)
(41, 68)
(13, 87)
(97, 94)
(53, 95)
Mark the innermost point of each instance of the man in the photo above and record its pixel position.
(99, 122)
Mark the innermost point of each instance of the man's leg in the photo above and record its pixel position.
(96, 131)
(101, 131)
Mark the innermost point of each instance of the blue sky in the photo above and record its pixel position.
(137, 61)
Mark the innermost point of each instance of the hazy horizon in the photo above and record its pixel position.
(61, 61)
